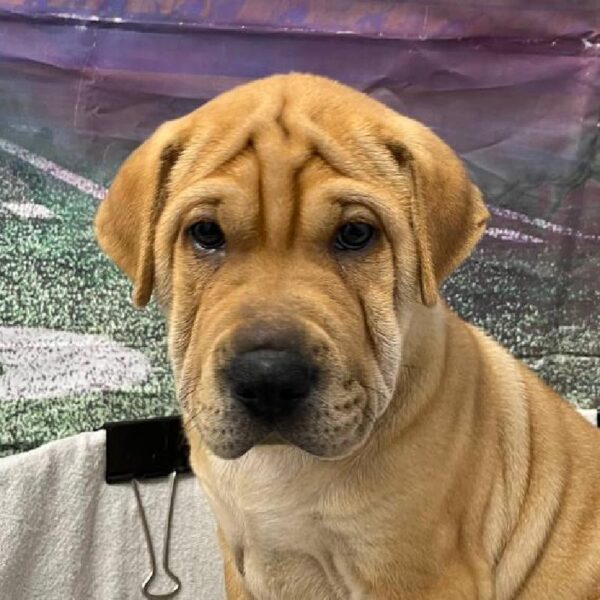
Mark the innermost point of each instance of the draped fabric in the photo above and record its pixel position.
(513, 86)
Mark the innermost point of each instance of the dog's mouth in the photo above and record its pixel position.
(284, 386)
(273, 439)
(327, 426)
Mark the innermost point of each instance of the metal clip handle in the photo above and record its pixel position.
(165, 557)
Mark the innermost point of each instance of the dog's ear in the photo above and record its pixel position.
(447, 210)
(126, 219)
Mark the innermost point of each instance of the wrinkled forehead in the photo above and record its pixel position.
(280, 134)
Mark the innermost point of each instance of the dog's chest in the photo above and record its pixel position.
(284, 546)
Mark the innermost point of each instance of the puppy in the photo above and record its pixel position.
(355, 438)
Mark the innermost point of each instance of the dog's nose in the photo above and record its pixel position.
(270, 383)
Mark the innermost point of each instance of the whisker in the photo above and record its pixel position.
(188, 388)
(377, 392)
(191, 380)
(191, 418)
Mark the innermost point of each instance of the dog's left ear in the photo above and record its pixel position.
(447, 211)
(126, 219)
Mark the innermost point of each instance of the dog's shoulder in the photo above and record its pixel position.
(550, 456)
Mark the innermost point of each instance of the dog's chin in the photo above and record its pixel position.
(229, 450)
(234, 446)
(325, 449)
(334, 448)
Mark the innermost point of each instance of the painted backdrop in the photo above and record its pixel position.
(513, 86)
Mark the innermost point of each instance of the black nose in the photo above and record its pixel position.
(270, 383)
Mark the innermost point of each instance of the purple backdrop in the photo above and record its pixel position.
(513, 86)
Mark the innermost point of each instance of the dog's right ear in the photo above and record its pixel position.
(126, 220)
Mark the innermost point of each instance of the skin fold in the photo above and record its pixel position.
(426, 461)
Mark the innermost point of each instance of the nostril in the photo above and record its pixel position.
(246, 393)
(295, 393)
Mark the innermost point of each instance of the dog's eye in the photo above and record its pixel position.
(207, 234)
(353, 236)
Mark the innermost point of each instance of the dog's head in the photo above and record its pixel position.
(288, 229)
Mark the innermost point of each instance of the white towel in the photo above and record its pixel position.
(67, 535)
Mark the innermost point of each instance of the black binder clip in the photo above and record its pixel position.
(146, 449)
